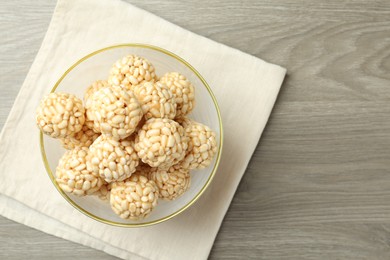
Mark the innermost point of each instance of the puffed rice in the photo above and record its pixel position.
(73, 176)
(112, 160)
(85, 137)
(182, 90)
(156, 100)
(183, 121)
(116, 112)
(161, 143)
(131, 71)
(202, 145)
(134, 198)
(89, 115)
(95, 86)
(60, 115)
(171, 183)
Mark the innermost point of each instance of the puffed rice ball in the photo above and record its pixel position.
(72, 175)
(60, 115)
(112, 160)
(85, 137)
(171, 183)
(182, 90)
(156, 100)
(202, 146)
(134, 198)
(115, 111)
(161, 143)
(131, 71)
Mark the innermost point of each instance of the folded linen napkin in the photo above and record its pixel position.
(245, 86)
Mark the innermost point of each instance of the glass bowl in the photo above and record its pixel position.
(96, 65)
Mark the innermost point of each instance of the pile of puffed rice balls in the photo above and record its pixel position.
(130, 142)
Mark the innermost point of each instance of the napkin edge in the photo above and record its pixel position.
(34, 220)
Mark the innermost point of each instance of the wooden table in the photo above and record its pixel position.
(318, 185)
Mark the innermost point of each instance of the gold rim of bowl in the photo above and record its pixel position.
(193, 200)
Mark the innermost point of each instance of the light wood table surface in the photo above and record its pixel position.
(318, 185)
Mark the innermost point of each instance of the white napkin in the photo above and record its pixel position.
(245, 86)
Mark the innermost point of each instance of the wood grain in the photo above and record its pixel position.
(318, 185)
